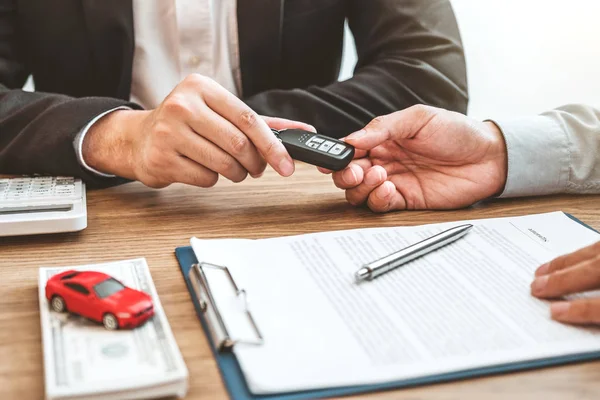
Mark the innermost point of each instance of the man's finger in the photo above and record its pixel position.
(386, 198)
(352, 175)
(282, 123)
(405, 124)
(211, 156)
(226, 136)
(191, 173)
(569, 260)
(581, 311)
(349, 177)
(358, 154)
(374, 177)
(579, 278)
(252, 125)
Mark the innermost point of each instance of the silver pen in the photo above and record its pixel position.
(394, 260)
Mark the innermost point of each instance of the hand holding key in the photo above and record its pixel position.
(199, 132)
(424, 158)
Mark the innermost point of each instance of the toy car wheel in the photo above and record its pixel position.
(58, 304)
(110, 322)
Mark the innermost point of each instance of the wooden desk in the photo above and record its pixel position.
(134, 221)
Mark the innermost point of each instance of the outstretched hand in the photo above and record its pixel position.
(424, 158)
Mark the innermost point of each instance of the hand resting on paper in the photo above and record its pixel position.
(570, 274)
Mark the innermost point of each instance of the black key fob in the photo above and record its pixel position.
(316, 149)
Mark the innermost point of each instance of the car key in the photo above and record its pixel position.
(316, 149)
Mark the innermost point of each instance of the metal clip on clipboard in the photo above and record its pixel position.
(213, 317)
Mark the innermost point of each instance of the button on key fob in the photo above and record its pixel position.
(316, 149)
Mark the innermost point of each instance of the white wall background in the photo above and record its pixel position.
(523, 56)
(526, 56)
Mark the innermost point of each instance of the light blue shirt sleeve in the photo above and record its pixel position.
(555, 152)
(78, 142)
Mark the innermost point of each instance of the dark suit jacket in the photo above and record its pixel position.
(80, 54)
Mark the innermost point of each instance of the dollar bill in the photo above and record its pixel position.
(82, 359)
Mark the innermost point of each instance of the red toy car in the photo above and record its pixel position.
(99, 297)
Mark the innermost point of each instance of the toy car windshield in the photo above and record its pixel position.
(108, 288)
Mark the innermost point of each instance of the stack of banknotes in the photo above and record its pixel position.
(83, 360)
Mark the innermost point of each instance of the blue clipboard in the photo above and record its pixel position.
(236, 385)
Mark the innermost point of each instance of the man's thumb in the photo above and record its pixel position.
(404, 124)
(370, 136)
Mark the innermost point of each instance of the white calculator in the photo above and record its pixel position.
(37, 205)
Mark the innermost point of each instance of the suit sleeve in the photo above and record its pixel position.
(37, 130)
(555, 152)
(409, 52)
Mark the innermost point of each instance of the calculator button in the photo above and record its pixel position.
(337, 149)
(326, 146)
(38, 189)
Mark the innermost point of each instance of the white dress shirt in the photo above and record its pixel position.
(173, 39)
(556, 152)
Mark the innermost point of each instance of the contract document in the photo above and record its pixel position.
(463, 307)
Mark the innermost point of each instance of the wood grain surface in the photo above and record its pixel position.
(134, 221)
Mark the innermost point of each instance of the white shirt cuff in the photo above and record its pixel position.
(538, 156)
(78, 142)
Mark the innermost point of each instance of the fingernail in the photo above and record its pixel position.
(349, 176)
(257, 175)
(373, 178)
(543, 270)
(560, 309)
(382, 196)
(539, 284)
(286, 167)
(312, 128)
(357, 135)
